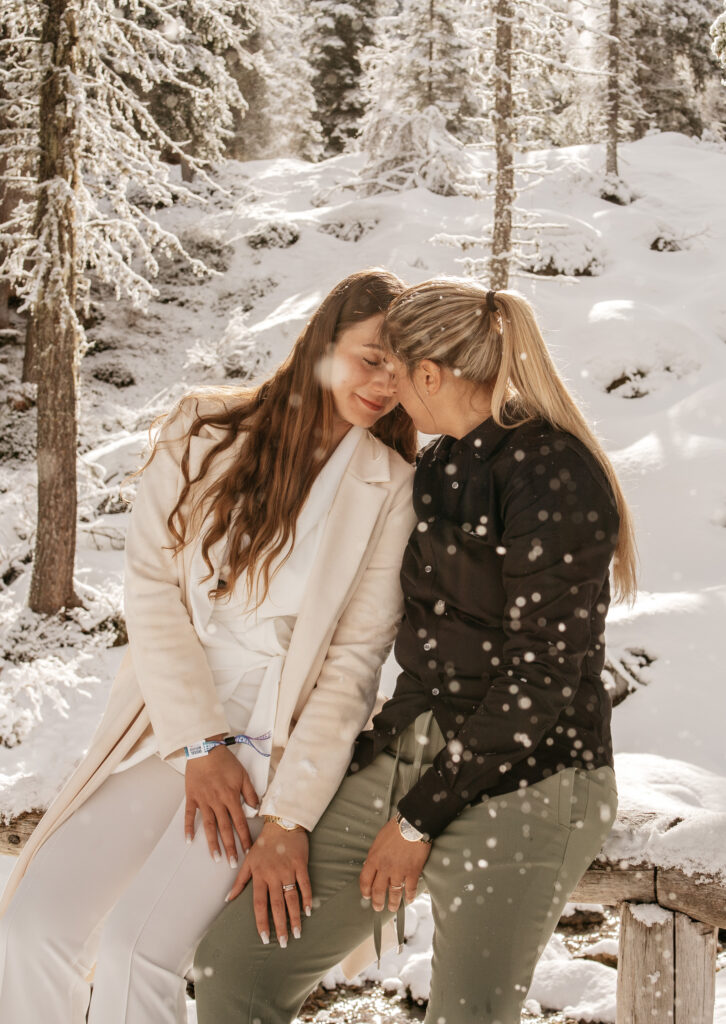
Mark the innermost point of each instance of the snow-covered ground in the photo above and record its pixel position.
(642, 342)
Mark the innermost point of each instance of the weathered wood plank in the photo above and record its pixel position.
(700, 898)
(695, 955)
(610, 884)
(646, 990)
(14, 836)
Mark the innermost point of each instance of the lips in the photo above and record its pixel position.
(373, 406)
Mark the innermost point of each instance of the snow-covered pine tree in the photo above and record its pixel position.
(420, 104)
(79, 139)
(290, 100)
(277, 82)
(613, 90)
(185, 114)
(670, 39)
(519, 76)
(337, 34)
(718, 34)
(602, 103)
(250, 127)
(664, 69)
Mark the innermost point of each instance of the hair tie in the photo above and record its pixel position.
(491, 305)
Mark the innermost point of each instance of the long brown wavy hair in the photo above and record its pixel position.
(288, 421)
(451, 322)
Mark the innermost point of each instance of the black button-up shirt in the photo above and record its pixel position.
(506, 590)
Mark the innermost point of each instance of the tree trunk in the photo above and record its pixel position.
(613, 110)
(30, 365)
(4, 305)
(7, 200)
(56, 326)
(430, 98)
(503, 145)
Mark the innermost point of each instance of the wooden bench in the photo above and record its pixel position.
(669, 925)
(667, 954)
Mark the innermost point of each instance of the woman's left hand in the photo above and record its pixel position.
(393, 865)
(278, 858)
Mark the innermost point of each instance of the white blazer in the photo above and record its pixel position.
(350, 613)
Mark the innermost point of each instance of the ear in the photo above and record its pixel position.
(430, 376)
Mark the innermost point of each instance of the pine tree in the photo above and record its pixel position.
(718, 34)
(337, 35)
(423, 56)
(613, 90)
(520, 56)
(79, 137)
(191, 111)
(420, 102)
(664, 69)
(277, 82)
(289, 96)
(670, 39)
(504, 144)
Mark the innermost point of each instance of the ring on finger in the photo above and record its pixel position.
(289, 887)
(391, 886)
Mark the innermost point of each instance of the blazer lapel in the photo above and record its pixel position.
(194, 566)
(351, 521)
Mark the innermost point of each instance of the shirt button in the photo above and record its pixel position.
(427, 646)
(427, 568)
(435, 691)
(455, 484)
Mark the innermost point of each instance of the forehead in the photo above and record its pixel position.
(364, 334)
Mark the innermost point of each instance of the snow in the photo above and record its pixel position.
(650, 914)
(579, 988)
(642, 345)
(606, 946)
(678, 811)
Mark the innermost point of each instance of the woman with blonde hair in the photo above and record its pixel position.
(488, 776)
(262, 595)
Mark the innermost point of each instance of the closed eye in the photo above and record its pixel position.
(370, 362)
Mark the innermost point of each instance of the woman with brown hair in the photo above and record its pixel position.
(262, 595)
(488, 776)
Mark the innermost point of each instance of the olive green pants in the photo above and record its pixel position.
(498, 876)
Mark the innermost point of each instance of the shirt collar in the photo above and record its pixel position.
(481, 441)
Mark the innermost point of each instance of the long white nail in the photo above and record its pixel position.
(233, 862)
(228, 897)
(265, 936)
(296, 932)
(216, 856)
(282, 939)
(308, 911)
(189, 839)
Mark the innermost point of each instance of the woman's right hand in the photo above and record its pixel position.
(213, 786)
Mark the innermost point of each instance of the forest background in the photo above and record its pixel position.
(183, 181)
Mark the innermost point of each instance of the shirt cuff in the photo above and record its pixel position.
(430, 805)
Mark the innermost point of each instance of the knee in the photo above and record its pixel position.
(223, 982)
(25, 929)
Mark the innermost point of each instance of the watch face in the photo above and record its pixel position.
(409, 831)
(289, 825)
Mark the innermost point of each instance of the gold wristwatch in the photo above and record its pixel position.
(289, 826)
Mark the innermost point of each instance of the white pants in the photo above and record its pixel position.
(116, 885)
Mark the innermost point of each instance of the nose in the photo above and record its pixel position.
(385, 380)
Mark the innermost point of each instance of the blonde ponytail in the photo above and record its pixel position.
(493, 339)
